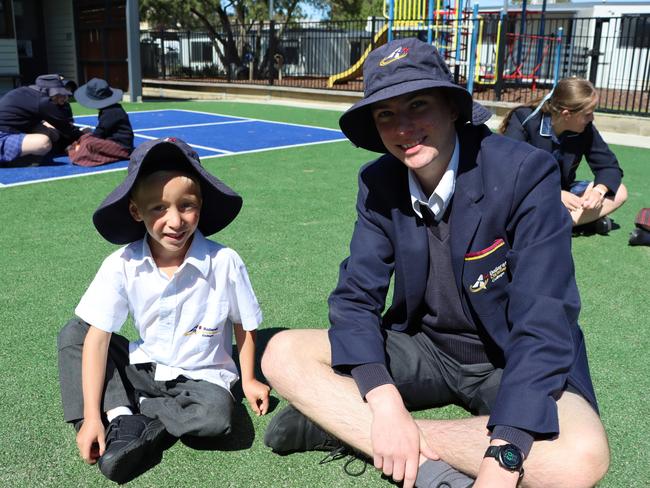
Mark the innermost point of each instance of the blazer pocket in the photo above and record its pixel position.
(485, 277)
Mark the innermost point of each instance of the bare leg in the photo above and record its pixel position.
(581, 216)
(37, 144)
(297, 364)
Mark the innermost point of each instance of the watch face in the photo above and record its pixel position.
(511, 457)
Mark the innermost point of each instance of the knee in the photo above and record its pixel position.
(277, 353)
(44, 145)
(584, 461)
(72, 334)
(214, 422)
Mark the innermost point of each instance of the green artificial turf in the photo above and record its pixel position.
(292, 233)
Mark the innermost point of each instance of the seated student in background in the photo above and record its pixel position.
(112, 139)
(185, 294)
(562, 124)
(33, 118)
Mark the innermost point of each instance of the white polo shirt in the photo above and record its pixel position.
(185, 323)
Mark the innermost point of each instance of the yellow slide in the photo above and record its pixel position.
(356, 70)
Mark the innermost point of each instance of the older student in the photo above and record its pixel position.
(470, 227)
(33, 117)
(562, 124)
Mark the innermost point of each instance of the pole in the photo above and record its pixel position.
(391, 19)
(270, 9)
(133, 50)
(472, 50)
(558, 52)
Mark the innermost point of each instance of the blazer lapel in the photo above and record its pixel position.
(465, 215)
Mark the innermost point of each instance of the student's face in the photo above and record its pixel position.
(59, 99)
(417, 128)
(169, 205)
(577, 121)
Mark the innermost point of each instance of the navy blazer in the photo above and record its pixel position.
(570, 150)
(511, 256)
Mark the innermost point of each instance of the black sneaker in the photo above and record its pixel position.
(290, 431)
(603, 225)
(600, 226)
(132, 447)
(639, 237)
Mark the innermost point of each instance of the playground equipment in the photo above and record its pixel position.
(436, 17)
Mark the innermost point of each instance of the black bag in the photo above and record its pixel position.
(640, 236)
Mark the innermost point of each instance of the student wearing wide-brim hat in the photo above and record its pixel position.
(467, 227)
(186, 295)
(33, 118)
(112, 138)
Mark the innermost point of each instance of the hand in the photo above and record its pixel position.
(91, 441)
(257, 394)
(492, 475)
(594, 198)
(397, 442)
(571, 202)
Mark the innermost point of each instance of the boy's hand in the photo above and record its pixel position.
(90, 440)
(257, 394)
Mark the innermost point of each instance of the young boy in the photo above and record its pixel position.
(112, 139)
(185, 294)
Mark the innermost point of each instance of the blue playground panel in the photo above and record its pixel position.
(211, 135)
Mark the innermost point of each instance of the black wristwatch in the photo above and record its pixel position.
(509, 456)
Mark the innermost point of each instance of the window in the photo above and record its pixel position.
(201, 52)
(635, 31)
(6, 19)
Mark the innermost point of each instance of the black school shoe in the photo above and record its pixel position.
(133, 445)
(600, 226)
(290, 431)
(639, 237)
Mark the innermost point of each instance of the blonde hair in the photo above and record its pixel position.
(572, 94)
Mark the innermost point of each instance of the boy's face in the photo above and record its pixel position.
(169, 205)
(417, 127)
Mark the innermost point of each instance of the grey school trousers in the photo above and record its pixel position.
(184, 406)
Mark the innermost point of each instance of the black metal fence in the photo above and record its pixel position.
(513, 60)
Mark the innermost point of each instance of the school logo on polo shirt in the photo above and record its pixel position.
(399, 53)
(202, 330)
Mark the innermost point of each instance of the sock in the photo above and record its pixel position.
(117, 411)
(432, 473)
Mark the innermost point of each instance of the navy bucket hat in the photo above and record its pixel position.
(97, 94)
(220, 204)
(50, 85)
(399, 67)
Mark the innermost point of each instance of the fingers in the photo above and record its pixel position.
(410, 473)
(264, 404)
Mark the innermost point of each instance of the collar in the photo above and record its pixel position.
(441, 196)
(197, 255)
(546, 130)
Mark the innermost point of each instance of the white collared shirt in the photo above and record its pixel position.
(184, 322)
(441, 196)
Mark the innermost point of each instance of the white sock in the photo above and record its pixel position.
(117, 411)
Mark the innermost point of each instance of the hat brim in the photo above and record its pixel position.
(358, 125)
(57, 90)
(220, 205)
(81, 97)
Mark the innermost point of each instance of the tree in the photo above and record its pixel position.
(354, 9)
(225, 22)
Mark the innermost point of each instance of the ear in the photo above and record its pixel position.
(133, 210)
(565, 114)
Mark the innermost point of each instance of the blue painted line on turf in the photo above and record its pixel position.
(209, 134)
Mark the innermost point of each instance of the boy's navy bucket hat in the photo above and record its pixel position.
(399, 67)
(97, 94)
(50, 85)
(220, 204)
